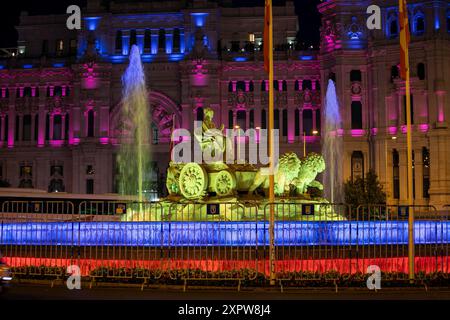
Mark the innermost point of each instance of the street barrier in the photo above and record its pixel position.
(216, 255)
(221, 241)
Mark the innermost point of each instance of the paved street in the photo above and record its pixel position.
(59, 292)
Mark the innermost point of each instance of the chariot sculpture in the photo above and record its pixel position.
(195, 181)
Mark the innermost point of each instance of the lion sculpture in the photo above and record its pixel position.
(310, 166)
(285, 173)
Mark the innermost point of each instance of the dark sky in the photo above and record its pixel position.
(9, 16)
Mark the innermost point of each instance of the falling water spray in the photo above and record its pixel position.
(134, 155)
(332, 147)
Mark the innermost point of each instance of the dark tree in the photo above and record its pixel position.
(365, 191)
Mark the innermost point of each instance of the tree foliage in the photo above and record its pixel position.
(364, 191)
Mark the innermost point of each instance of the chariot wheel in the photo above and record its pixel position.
(193, 181)
(225, 183)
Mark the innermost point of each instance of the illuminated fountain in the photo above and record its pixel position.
(134, 155)
(332, 147)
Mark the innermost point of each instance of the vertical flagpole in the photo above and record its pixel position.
(404, 48)
(410, 173)
(271, 150)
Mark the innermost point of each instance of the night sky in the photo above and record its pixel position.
(9, 16)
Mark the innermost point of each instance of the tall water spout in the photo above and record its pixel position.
(332, 147)
(134, 155)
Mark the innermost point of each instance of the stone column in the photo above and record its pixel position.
(247, 86)
(11, 126)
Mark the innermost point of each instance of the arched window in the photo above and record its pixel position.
(57, 127)
(241, 118)
(393, 26)
(176, 40)
(421, 71)
(357, 165)
(90, 116)
(240, 85)
(419, 23)
(276, 118)
(119, 42)
(230, 86)
(162, 40)
(307, 121)
(251, 86)
(297, 85)
(47, 127)
(26, 129)
(395, 73)
(357, 120)
(147, 40)
(306, 84)
(27, 92)
(395, 174)
(263, 119)
(58, 91)
(263, 85)
(133, 37)
(275, 85)
(284, 85)
(355, 75)
(200, 114)
(66, 127)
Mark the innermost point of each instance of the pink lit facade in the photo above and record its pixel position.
(60, 99)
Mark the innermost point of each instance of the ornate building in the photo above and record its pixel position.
(60, 92)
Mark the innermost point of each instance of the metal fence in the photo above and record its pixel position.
(32, 257)
(220, 241)
(213, 241)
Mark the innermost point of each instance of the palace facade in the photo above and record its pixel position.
(60, 89)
